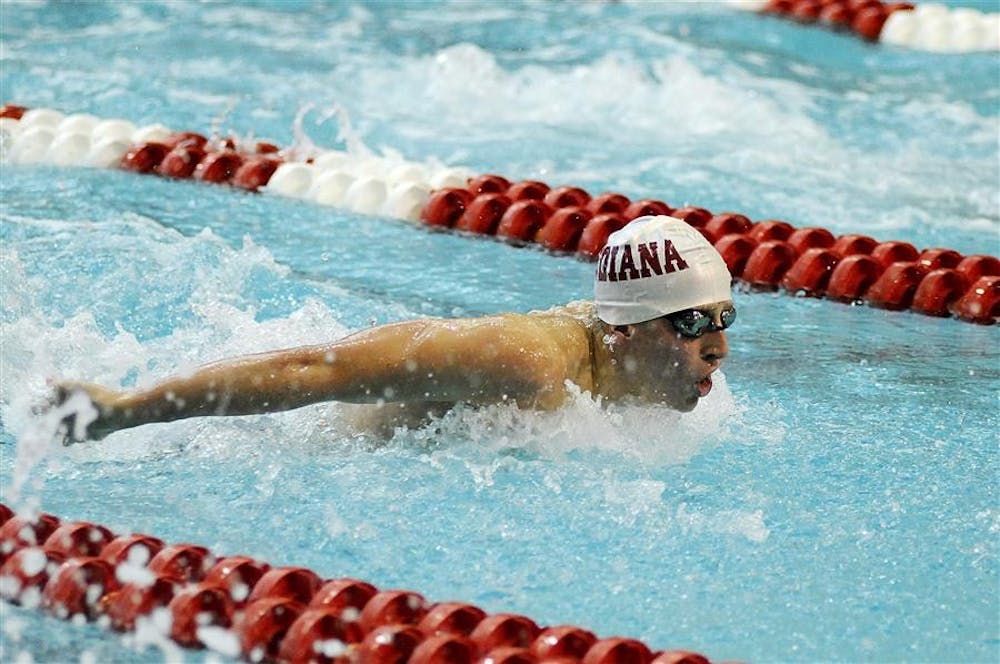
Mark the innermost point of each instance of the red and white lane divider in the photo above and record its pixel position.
(766, 255)
(926, 27)
(366, 184)
(242, 607)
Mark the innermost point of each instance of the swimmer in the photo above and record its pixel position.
(654, 332)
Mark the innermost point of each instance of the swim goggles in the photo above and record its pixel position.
(693, 322)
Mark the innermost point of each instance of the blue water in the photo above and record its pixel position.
(835, 498)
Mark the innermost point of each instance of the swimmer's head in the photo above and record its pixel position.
(657, 266)
(665, 293)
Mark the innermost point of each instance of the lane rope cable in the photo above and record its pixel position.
(242, 607)
(567, 220)
(924, 27)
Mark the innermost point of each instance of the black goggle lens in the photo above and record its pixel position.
(694, 323)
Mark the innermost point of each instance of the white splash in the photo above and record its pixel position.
(749, 525)
(652, 434)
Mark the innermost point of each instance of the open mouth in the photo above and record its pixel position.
(704, 386)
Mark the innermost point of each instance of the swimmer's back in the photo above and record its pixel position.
(555, 343)
(558, 339)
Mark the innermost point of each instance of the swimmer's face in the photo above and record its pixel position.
(662, 365)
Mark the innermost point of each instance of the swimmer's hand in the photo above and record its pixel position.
(81, 411)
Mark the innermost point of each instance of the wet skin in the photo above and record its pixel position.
(655, 363)
(427, 366)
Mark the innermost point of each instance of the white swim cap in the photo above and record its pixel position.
(656, 266)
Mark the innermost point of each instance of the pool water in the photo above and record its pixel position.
(835, 498)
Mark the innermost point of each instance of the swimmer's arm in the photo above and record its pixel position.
(414, 361)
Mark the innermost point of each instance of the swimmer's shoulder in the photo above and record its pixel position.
(568, 327)
(582, 312)
(575, 318)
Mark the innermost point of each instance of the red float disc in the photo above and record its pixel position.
(679, 657)
(238, 575)
(445, 649)
(528, 190)
(810, 238)
(647, 207)
(811, 272)
(184, 561)
(562, 230)
(836, 15)
(523, 220)
(505, 630)
(805, 11)
(393, 606)
(771, 229)
(561, 197)
(868, 22)
(218, 167)
(186, 139)
(777, 7)
(79, 539)
(132, 600)
(981, 302)
(319, 635)
(18, 531)
(341, 594)
(728, 223)
(144, 158)
(932, 259)
(483, 215)
(595, 233)
(198, 606)
(451, 618)
(735, 251)
(894, 289)
(296, 583)
(853, 244)
(973, 267)
(938, 291)
(695, 216)
(77, 587)
(609, 203)
(263, 624)
(888, 253)
(445, 207)
(852, 277)
(181, 161)
(562, 641)
(618, 651)
(389, 644)
(488, 184)
(509, 656)
(768, 263)
(255, 173)
(25, 572)
(138, 549)
(13, 112)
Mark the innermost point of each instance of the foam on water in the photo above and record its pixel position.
(213, 315)
(668, 97)
(206, 279)
(647, 434)
(843, 487)
(679, 103)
